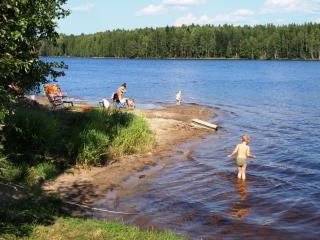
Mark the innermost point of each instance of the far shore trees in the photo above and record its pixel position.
(291, 41)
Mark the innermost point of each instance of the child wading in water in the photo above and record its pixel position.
(242, 151)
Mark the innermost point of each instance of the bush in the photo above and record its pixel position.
(33, 136)
(7, 171)
(135, 138)
(31, 132)
(2, 116)
(92, 146)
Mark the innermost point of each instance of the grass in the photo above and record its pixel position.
(37, 144)
(70, 228)
(35, 216)
(42, 140)
(132, 139)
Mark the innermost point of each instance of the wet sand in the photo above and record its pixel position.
(172, 125)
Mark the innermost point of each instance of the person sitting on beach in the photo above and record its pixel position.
(242, 151)
(178, 98)
(120, 91)
(117, 97)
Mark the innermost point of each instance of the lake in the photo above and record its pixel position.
(276, 102)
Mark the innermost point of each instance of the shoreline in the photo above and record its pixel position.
(186, 59)
(172, 125)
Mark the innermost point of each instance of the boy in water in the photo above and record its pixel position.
(242, 151)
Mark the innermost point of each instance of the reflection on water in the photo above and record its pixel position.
(240, 207)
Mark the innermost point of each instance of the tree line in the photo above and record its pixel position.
(248, 42)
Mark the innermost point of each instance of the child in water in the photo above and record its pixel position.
(242, 151)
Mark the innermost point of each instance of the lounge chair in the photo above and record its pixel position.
(56, 101)
(55, 96)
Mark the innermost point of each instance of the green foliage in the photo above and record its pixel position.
(259, 42)
(2, 116)
(24, 24)
(93, 145)
(35, 136)
(31, 131)
(135, 138)
(70, 228)
(37, 174)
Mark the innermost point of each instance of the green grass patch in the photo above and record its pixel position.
(133, 139)
(33, 215)
(70, 228)
(35, 136)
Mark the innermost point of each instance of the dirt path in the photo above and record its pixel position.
(172, 127)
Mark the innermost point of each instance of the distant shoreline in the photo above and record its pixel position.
(233, 59)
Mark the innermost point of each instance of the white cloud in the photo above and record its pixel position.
(151, 10)
(180, 8)
(240, 15)
(187, 20)
(83, 8)
(278, 6)
(183, 2)
(204, 19)
(177, 5)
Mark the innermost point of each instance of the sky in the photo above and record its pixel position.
(91, 16)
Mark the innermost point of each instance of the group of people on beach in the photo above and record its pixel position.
(241, 151)
(118, 97)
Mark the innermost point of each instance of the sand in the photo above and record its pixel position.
(172, 126)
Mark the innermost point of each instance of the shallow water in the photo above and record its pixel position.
(198, 195)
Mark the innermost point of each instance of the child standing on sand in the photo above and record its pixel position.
(242, 151)
(178, 97)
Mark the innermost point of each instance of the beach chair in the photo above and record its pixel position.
(67, 100)
(55, 96)
(55, 101)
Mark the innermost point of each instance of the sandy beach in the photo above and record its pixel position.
(172, 125)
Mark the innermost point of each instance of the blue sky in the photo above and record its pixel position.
(90, 16)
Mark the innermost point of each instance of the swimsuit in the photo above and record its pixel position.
(241, 161)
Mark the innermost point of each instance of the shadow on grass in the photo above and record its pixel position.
(23, 208)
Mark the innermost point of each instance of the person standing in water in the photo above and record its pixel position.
(242, 151)
(178, 97)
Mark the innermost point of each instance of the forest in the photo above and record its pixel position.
(291, 41)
